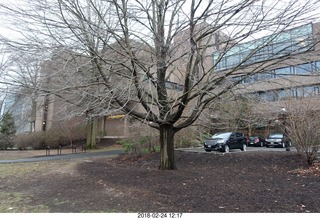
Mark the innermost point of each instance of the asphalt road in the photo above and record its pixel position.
(249, 149)
(117, 152)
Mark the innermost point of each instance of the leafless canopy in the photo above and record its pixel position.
(156, 60)
(130, 54)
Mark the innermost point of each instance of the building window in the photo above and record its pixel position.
(251, 78)
(265, 75)
(317, 66)
(44, 126)
(282, 94)
(268, 96)
(309, 91)
(281, 72)
(285, 94)
(303, 69)
(174, 86)
(233, 60)
(238, 79)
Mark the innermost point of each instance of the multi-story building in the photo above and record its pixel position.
(297, 72)
(68, 109)
(270, 69)
(65, 105)
(275, 69)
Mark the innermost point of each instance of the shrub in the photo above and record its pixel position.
(40, 140)
(7, 131)
(303, 127)
(187, 137)
(310, 153)
(6, 141)
(54, 138)
(33, 140)
(127, 144)
(138, 145)
(155, 148)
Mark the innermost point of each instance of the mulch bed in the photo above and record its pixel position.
(251, 182)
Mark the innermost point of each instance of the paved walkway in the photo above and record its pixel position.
(64, 156)
(117, 152)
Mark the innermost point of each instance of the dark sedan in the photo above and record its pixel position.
(256, 141)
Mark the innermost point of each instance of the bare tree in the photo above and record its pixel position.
(153, 59)
(21, 80)
(301, 123)
(236, 113)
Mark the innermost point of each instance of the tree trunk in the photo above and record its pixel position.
(91, 133)
(33, 115)
(167, 160)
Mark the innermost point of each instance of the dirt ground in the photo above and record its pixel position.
(252, 182)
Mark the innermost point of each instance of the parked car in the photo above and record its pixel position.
(277, 140)
(256, 141)
(225, 141)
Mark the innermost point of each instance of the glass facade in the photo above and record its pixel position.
(282, 94)
(293, 41)
(302, 69)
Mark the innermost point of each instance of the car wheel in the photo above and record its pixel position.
(226, 149)
(207, 150)
(244, 147)
(261, 144)
(283, 145)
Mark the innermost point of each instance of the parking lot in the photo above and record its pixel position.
(200, 149)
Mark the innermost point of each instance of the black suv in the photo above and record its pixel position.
(225, 141)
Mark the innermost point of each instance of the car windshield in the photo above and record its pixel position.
(222, 135)
(253, 137)
(276, 136)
